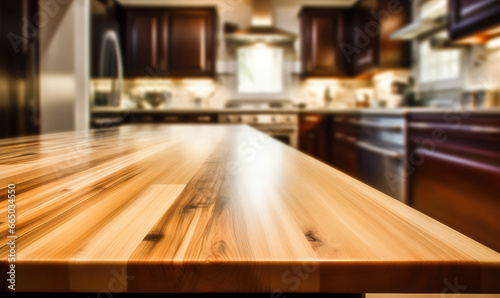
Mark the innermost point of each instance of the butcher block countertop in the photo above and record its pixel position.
(180, 208)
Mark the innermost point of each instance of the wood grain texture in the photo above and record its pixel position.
(212, 208)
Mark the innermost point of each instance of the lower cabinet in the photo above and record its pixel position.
(203, 118)
(313, 135)
(157, 118)
(454, 167)
(382, 152)
(100, 120)
(343, 152)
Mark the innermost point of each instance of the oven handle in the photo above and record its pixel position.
(342, 136)
(378, 150)
(463, 128)
(377, 125)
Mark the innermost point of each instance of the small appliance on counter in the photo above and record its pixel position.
(364, 97)
(155, 100)
(480, 99)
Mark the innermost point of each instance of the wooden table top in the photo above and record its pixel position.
(212, 208)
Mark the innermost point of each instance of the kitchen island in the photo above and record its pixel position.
(215, 208)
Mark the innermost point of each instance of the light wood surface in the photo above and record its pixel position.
(216, 208)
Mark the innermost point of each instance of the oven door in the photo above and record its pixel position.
(382, 169)
(286, 135)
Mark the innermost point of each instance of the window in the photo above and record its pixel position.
(438, 65)
(260, 69)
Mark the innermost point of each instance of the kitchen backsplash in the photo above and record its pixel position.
(481, 72)
(207, 93)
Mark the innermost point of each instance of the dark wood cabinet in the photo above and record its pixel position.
(355, 41)
(454, 170)
(370, 47)
(313, 135)
(322, 33)
(343, 152)
(392, 16)
(107, 119)
(468, 17)
(362, 50)
(170, 42)
(192, 42)
(143, 51)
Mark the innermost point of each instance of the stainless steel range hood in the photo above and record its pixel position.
(432, 18)
(262, 29)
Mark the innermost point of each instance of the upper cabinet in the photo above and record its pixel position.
(371, 48)
(192, 38)
(322, 33)
(468, 17)
(170, 42)
(144, 54)
(354, 41)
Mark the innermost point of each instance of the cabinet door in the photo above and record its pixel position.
(393, 53)
(366, 47)
(143, 38)
(468, 17)
(344, 152)
(454, 170)
(322, 34)
(312, 135)
(373, 23)
(190, 40)
(460, 193)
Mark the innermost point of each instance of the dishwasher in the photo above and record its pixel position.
(381, 153)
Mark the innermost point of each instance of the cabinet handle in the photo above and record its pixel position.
(377, 125)
(378, 150)
(312, 118)
(459, 160)
(342, 136)
(351, 140)
(460, 128)
(204, 118)
(170, 118)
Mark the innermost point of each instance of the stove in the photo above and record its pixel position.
(276, 118)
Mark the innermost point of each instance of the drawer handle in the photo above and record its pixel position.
(459, 160)
(204, 118)
(342, 136)
(377, 125)
(312, 118)
(461, 128)
(378, 150)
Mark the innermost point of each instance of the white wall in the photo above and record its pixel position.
(64, 65)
